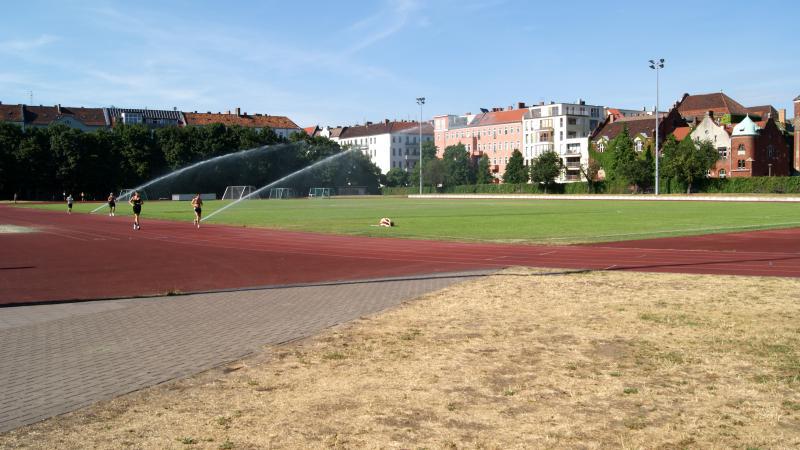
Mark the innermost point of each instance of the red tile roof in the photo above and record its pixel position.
(698, 105)
(45, 115)
(680, 133)
(636, 125)
(311, 131)
(498, 117)
(383, 128)
(10, 113)
(249, 121)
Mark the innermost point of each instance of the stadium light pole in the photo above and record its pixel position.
(420, 102)
(657, 64)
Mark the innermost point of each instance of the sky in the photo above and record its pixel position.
(341, 63)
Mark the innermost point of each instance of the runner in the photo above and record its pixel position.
(136, 201)
(112, 204)
(69, 204)
(197, 204)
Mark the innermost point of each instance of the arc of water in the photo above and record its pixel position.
(190, 167)
(257, 191)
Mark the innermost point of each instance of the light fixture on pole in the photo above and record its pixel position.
(420, 102)
(657, 64)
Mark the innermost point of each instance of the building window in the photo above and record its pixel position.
(740, 150)
(639, 145)
(572, 121)
(722, 173)
(723, 152)
(770, 151)
(601, 146)
(740, 164)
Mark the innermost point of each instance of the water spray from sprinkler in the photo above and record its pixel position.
(190, 167)
(259, 190)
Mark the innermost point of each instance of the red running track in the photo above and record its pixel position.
(82, 257)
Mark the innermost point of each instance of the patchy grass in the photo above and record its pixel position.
(515, 360)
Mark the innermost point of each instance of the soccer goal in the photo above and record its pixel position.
(125, 194)
(281, 193)
(237, 192)
(320, 192)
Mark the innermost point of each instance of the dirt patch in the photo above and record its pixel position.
(516, 360)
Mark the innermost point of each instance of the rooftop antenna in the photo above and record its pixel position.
(30, 98)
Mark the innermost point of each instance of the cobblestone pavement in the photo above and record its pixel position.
(61, 357)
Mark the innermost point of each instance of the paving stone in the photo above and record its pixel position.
(57, 358)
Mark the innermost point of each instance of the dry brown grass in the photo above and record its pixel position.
(516, 360)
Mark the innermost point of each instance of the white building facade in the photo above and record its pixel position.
(388, 144)
(563, 128)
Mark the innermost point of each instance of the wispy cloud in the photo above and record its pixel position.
(387, 22)
(21, 45)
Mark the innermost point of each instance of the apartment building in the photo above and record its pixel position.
(563, 128)
(496, 134)
(281, 125)
(85, 119)
(388, 144)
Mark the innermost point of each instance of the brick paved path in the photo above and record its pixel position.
(58, 358)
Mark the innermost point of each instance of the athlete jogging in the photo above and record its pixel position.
(197, 204)
(112, 204)
(136, 201)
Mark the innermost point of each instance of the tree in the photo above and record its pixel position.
(10, 138)
(545, 168)
(483, 175)
(516, 172)
(590, 171)
(686, 161)
(457, 166)
(397, 177)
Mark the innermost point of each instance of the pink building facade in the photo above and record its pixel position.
(495, 133)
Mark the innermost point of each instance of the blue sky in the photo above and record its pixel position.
(346, 62)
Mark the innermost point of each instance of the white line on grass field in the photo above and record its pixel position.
(764, 226)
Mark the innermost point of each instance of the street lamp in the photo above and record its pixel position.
(420, 102)
(657, 64)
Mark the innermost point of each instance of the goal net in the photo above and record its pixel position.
(281, 193)
(126, 194)
(237, 192)
(320, 192)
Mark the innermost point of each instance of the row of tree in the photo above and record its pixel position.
(456, 168)
(686, 161)
(43, 163)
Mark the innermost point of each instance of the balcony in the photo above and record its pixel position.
(572, 177)
(574, 165)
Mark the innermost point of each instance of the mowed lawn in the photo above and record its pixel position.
(491, 220)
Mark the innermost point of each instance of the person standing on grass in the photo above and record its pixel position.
(69, 204)
(136, 201)
(112, 204)
(197, 204)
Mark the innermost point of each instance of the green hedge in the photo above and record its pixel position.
(755, 185)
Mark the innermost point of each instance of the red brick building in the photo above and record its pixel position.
(757, 150)
(797, 133)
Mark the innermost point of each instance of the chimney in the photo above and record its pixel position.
(369, 123)
(238, 111)
(386, 121)
(521, 105)
(781, 114)
(509, 108)
(58, 109)
(541, 103)
(581, 101)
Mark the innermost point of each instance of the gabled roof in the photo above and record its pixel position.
(383, 128)
(45, 115)
(312, 131)
(248, 121)
(10, 113)
(337, 131)
(695, 105)
(763, 111)
(636, 125)
(498, 117)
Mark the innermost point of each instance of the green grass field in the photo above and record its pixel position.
(525, 221)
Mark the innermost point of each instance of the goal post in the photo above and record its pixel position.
(278, 193)
(239, 192)
(320, 192)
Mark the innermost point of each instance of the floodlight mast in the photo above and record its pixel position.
(420, 102)
(657, 64)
